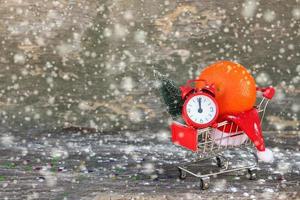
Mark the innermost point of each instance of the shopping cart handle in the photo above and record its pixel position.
(268, 92)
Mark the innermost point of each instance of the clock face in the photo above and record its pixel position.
(201, 109)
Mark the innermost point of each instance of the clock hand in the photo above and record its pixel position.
(200, 109)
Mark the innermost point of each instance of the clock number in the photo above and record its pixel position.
(200, 110)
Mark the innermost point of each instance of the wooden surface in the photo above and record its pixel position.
(134, 165)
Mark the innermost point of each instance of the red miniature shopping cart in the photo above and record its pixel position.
(238, 132)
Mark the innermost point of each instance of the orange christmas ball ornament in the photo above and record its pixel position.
(235, 87)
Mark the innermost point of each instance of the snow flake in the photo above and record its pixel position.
(296, 13)
(51, 100)
(295, 108)
(140, 36)
(107, 32)
(148, 168)
(84, 105)
(120, 31)
(269, 15)
(249, 8)
(59, 153)
(127, 83)
(135, 115)
(19, 58)
(263, 79)
(128, 15)
(129, 149)
(64, 49)
(7, 140)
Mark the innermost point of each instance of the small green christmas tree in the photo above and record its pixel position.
(171, 95)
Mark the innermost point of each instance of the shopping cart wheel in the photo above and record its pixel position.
(220, 161)
(204, 183)
(182, 174)
(252, 174)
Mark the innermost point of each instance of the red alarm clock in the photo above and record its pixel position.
(200, 108)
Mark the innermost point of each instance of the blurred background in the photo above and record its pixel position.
(90, 63)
